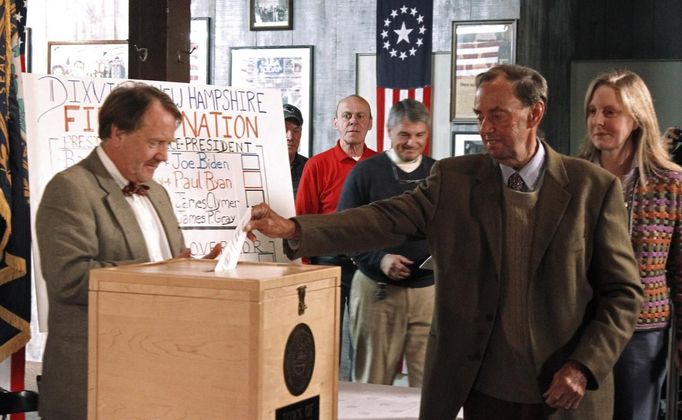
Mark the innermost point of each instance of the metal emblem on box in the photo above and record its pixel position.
(299, 359)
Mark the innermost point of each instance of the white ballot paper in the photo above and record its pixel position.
(228, 259)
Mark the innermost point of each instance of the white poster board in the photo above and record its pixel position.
(229, 155)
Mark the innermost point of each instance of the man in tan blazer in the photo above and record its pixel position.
(537, 289)
(104, 211)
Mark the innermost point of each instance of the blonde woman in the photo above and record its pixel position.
(623, 137)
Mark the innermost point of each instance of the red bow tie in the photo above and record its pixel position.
(133, 188)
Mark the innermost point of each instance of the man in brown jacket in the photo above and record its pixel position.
(537, 289)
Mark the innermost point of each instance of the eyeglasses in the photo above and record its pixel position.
(403, 181)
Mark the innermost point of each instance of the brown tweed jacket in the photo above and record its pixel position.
(584, 292)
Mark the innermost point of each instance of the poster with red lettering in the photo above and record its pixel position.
(230, 153)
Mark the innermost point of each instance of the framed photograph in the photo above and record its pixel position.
(466, 143)
(288, 69)
(88, 58)
(476, 47)
(200, 47)
(268, 15)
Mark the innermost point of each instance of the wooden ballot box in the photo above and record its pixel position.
(175, 340)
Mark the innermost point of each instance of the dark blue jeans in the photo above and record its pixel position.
(638, 376)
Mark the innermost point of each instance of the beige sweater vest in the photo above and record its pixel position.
(507, 372)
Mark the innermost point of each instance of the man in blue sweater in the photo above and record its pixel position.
(391, 298)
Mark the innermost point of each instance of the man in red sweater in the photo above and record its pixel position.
(324, 175)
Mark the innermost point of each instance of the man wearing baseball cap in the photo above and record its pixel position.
(293, 122)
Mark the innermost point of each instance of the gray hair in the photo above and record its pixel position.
(529, 85)
(411, 110)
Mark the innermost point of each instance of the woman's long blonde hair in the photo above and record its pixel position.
(650, 153)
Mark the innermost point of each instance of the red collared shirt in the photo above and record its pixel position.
(323, 178)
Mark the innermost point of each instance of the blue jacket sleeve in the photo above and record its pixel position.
(356, 193)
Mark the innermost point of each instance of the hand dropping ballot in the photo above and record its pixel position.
(231, 251)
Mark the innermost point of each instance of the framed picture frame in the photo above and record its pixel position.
(466, 143)
(476, 47)
(88, 58)
(289, 69)
(201, 46)
(268, 15)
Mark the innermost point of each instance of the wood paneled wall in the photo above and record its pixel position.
(553, 33)
(339, 30)
(162, 28)
(550, 35)
(545, 43)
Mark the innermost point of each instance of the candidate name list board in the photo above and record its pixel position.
(229, 152)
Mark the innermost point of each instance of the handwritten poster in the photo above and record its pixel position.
(228, 155)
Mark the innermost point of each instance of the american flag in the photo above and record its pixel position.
(403, 57)
(476, 57)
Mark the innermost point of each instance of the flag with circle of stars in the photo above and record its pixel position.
(404, 43)
(404, 30)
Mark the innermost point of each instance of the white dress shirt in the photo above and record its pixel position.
(531, 173)
(145, 213)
